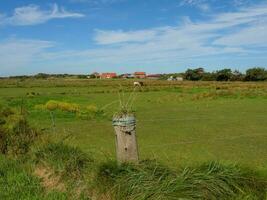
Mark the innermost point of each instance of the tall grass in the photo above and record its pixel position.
(16, 135)
(126, 102)
(70, 169)
(68, 161)
(16, 183)
(150, 180)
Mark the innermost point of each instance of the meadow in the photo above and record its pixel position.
(178, 123)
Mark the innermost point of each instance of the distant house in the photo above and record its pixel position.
(171, 78)
(154, 76)
(126, 76)
(139, 75)
(108, 75)
(178, 78)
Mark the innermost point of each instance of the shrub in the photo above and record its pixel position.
(256, 74)
(16, 135)
(53, 105)
(194, 74)
(224, 75)
(91, 108)
(68, 107)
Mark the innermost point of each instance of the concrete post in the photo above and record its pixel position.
(125, 138)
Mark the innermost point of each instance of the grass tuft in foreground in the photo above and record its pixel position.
(16, 183)
(69, 161)
(150, 180)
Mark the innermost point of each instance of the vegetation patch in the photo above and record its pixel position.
(91, 112)
(150, 180)
(16, 135)
(49, 180)
(68, 161)
(53, 105)
(64, 168)
(87, 112)
(16, 183)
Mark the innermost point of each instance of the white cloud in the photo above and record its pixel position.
(113, 37)
(16, 53)
(32, 15)
(187, 41)
(255, 35)
(232, 27)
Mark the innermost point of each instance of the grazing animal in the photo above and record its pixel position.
(138, 83)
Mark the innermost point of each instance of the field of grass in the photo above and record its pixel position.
(197, 140)
(183, 123)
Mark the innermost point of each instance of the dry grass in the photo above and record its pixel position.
(49, 180)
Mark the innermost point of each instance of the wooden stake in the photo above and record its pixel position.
(126, 143)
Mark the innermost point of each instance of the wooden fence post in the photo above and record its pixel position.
(125, 138)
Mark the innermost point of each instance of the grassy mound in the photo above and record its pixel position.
(69, 161)
(64, 168)
(16, 183)
(150, 180)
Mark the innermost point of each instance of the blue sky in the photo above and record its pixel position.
(157, 36)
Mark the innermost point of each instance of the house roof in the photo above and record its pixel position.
(112, 74)
(139, 73)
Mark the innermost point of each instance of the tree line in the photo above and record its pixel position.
(199, 74)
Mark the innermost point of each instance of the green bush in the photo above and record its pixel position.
(16, 135)
(52, 105)
(256, 74)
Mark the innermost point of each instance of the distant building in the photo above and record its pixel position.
(170, 78)
(108, 75)
(154, 76)
(139, 75)
(178, 78)
(126, 76)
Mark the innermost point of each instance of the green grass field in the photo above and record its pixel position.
(178, 123)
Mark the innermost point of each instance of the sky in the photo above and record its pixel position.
(156, 36)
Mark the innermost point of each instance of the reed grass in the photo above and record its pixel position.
(151, 180)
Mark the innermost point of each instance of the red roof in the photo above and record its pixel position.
(139, 73)
(108, 75)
